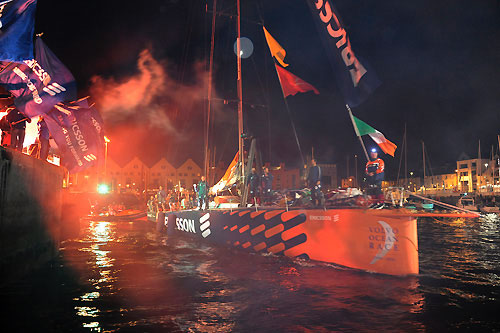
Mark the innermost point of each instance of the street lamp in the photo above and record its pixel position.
(106, 141)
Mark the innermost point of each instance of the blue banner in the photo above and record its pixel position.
(356, 80)
(38, 84)
(77, 129)
(17, 24)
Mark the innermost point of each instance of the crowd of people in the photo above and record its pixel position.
(13, 127)
(179, 198)
(260, 189)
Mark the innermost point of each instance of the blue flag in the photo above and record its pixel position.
(356, 80)
(38, 84)
(17, 24)
(77, 129)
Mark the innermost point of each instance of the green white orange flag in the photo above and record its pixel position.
(363, 128)
(276, 50)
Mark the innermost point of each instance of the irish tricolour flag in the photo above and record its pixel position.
(363, 128)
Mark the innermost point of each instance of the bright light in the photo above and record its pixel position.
(106, 139)
(103, 189)
(374, 150)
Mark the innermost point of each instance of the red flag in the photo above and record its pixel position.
(291, 84)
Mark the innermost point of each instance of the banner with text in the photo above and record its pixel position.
(78, 131)
(356, 80)
(38, 84)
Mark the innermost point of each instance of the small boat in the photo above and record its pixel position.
(124, 216)
(467, 203)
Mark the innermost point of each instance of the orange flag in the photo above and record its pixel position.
(276, 50)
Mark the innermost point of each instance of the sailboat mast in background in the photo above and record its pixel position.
(240, 94)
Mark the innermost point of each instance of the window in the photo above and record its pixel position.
(190, 168)
(463, 166)
(163, 167)
(473, 164)
(136, 166)
(185, 175)
(172, 174)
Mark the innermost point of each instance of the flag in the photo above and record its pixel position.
(17, 24)
(356, 80)
(291, 84)
(230, 177)
(363, 128)
(38, 84)
(78, 133)
(276, 50)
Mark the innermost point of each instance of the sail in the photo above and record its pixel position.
(230, 177)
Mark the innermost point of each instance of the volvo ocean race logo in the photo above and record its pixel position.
(186, 225)
(388, 239)
(204, 225)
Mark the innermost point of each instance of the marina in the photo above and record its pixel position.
(249, 166)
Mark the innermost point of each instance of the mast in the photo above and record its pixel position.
(498, 160)
(240, 94)
(423, 159)
(209, 94)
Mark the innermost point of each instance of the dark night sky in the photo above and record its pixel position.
(437, 60)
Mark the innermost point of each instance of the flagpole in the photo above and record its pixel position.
(357, 133)
(290, 116)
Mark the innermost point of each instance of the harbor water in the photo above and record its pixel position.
(125, 277)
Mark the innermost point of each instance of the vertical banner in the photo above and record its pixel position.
(78, 132)
(356, 80)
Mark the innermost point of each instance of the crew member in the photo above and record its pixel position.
(314, 182)
(162, 196)
(18, 124)
(374, 176)
(202, 193)
(267, 185)
(253, 180)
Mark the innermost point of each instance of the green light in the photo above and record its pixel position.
(103, 189)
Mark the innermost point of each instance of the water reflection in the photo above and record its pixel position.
(98, 235)
(141, 281)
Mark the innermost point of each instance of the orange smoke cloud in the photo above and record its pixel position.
(150, 114)
(151, 96)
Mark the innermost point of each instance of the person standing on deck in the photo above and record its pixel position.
(202, 193)
(162, 196)
(314, 182)
(254, 182)
(374, 176)
(267, 186)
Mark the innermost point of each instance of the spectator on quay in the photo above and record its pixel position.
(43, 139)
(18, 124)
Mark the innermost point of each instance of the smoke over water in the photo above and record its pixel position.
(150, 114)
